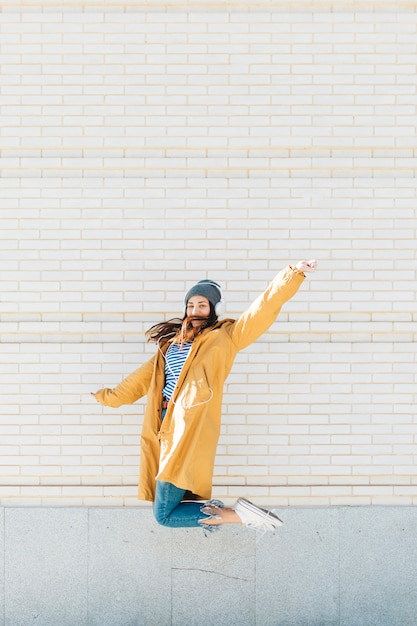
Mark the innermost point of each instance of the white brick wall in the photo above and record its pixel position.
(145, 146)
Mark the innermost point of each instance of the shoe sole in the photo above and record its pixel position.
(253, 507)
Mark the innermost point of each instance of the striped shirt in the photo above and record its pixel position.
(174, 361)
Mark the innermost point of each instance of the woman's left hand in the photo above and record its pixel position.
(307, 266)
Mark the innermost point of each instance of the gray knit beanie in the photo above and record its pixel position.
(207, 288)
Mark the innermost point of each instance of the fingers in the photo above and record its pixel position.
(307, 266)
(311, 266)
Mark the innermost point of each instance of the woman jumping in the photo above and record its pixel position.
(184, 383)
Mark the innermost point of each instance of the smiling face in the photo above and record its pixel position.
(198, 306)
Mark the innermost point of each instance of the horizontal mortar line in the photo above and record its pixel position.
(208, 149)
(122, 318)
(216, 5)
(199, 153)
(148, 317)
(220, 168)
(72, 485)
(285, 331)
(331, 328)
(291, 328)
(291, 320)
(221, 485)
(293, 337)
(158, 312)
(13, 162)
(302, 173)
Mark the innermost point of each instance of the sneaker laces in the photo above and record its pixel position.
(261, 527)
(265, 521)
(206, 509)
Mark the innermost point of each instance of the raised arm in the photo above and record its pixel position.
(262, 313)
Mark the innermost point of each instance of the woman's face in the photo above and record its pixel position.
(198, 306)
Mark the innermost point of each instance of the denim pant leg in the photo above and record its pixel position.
(170, 511)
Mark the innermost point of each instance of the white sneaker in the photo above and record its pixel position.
(253, 516)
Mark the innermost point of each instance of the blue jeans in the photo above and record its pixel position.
(170, 511)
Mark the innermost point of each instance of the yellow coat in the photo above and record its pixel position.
(181, 450)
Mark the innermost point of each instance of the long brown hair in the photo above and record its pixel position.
(181, 330)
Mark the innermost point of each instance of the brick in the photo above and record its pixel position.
(225, 144)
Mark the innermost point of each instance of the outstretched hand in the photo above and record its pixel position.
(307, 266)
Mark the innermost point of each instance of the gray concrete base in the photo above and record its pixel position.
(116, 567)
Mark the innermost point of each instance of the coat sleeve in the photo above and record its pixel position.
(264, 310)
(130, 389)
